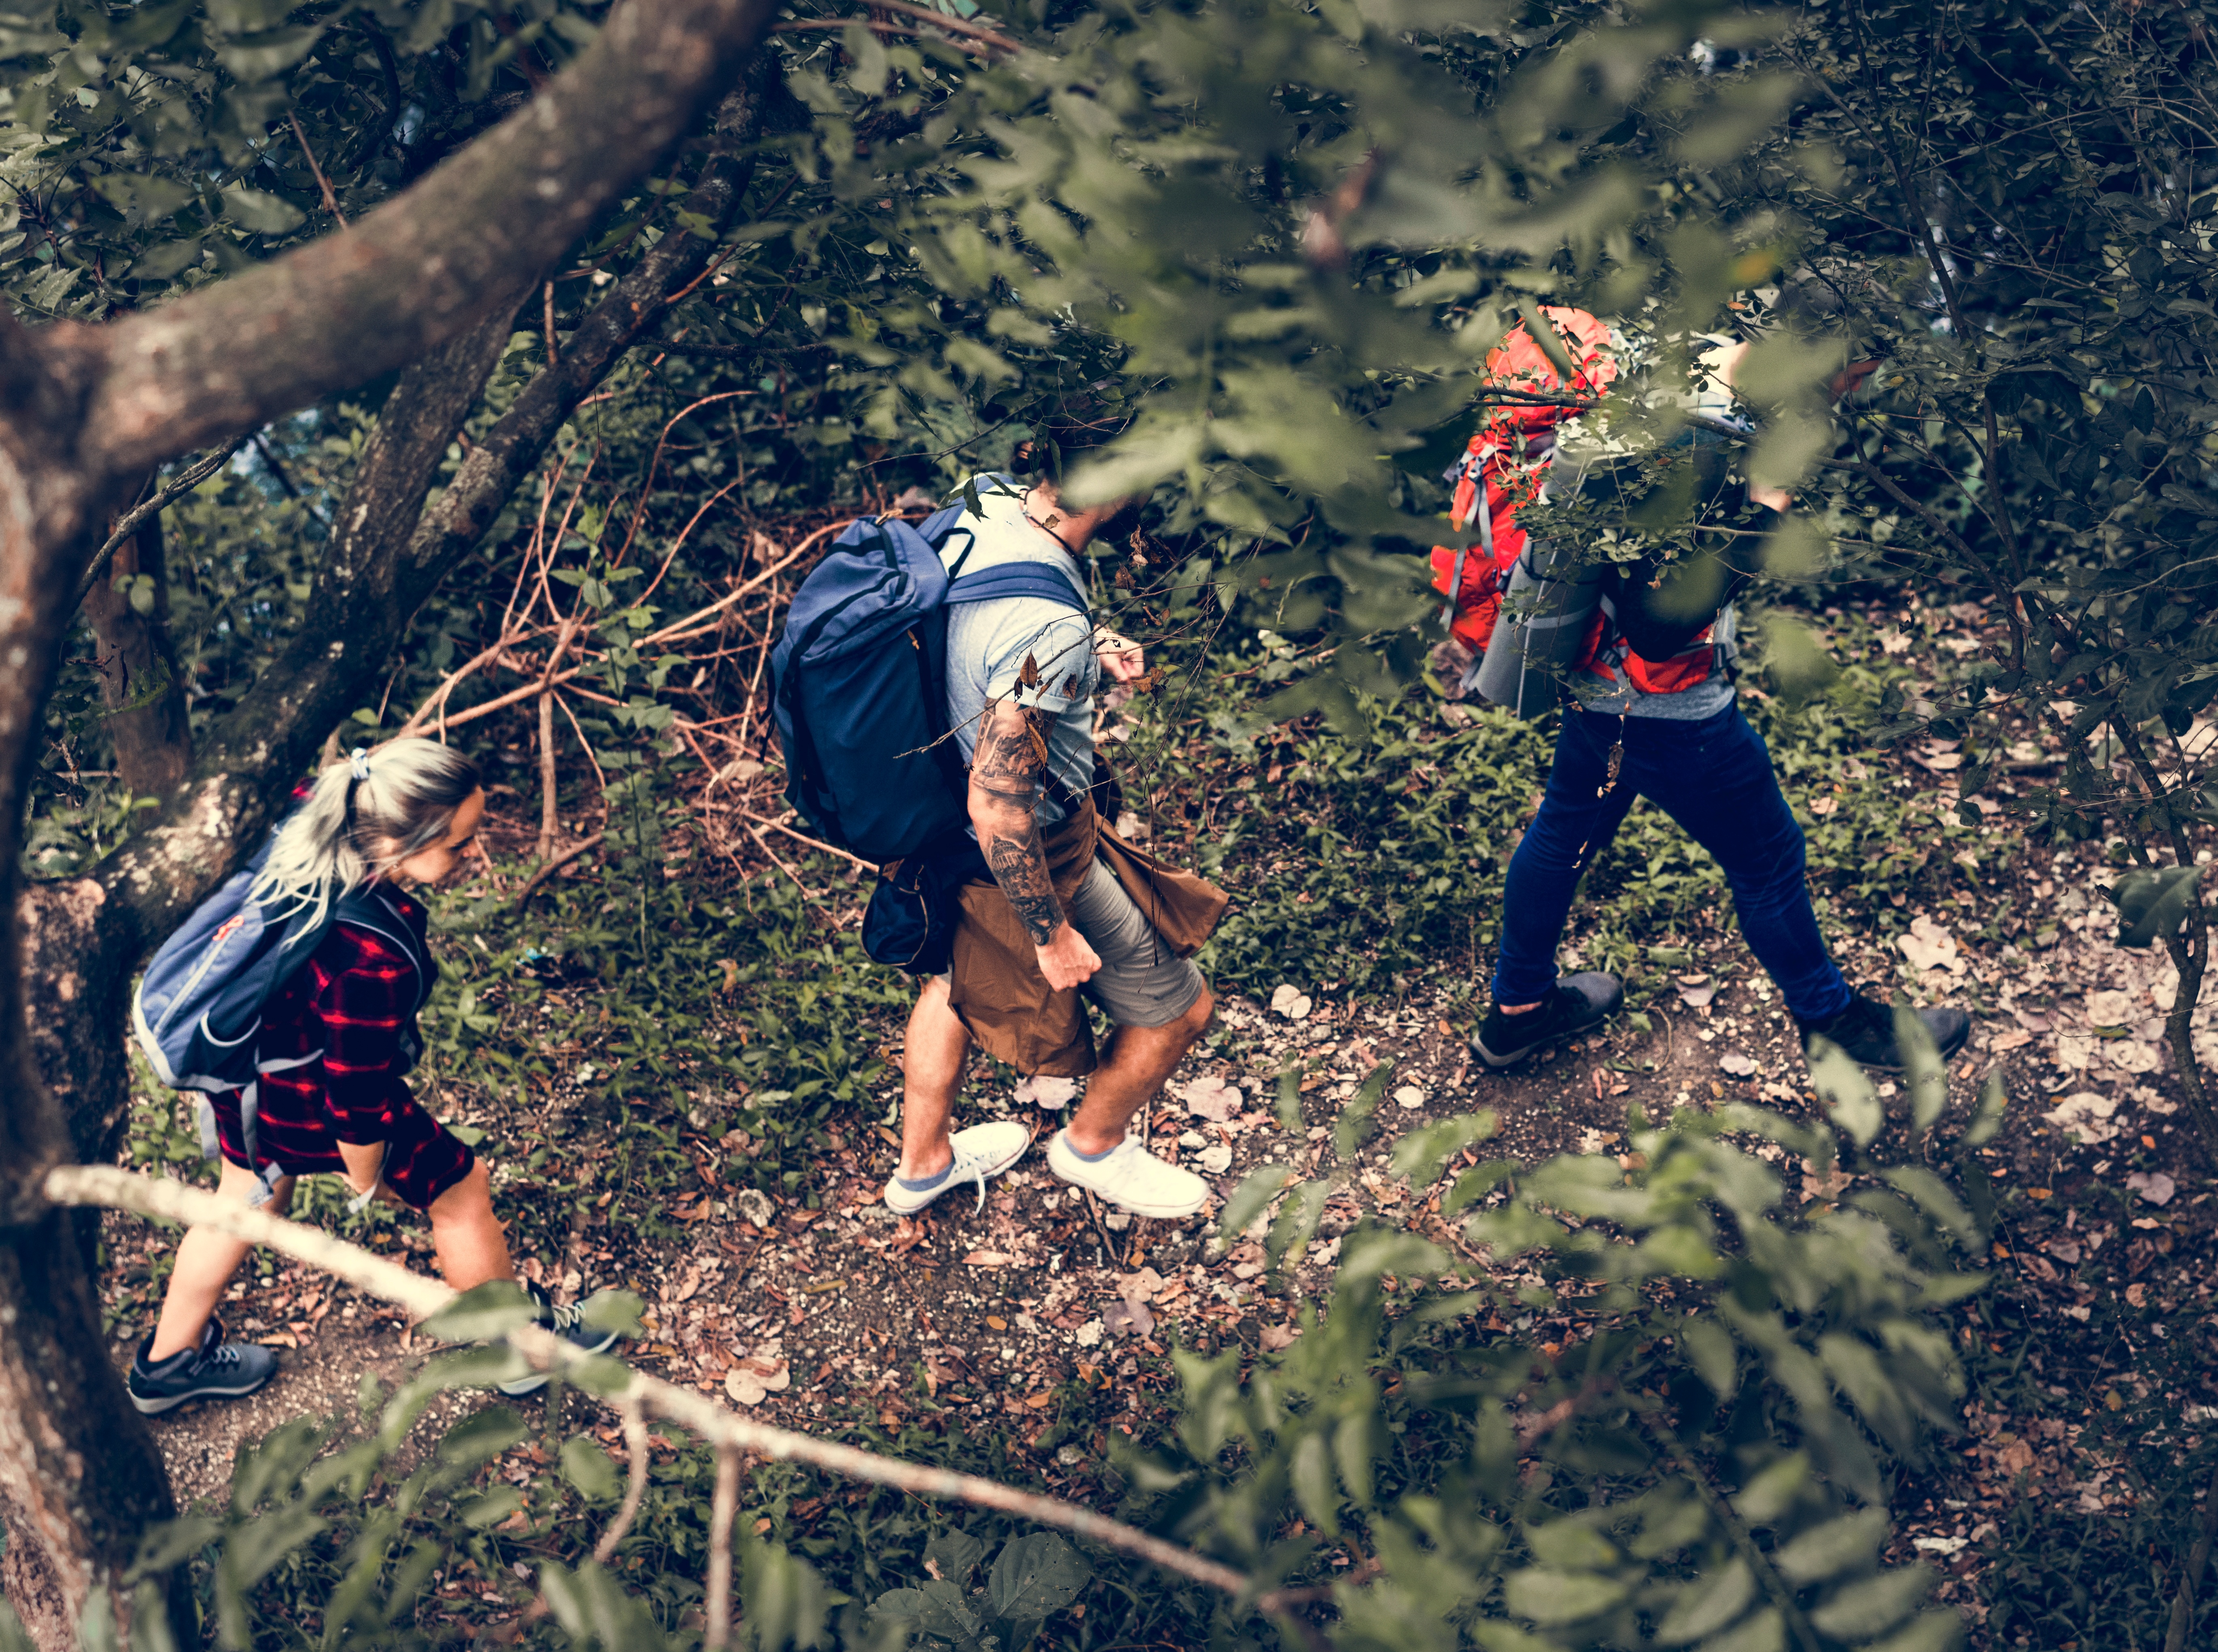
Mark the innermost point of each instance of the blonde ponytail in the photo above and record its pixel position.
(362, 816)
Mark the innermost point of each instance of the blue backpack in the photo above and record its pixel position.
(862, 719)
(859, 682)
(199, 1006)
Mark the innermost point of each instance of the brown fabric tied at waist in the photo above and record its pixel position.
(994, 982)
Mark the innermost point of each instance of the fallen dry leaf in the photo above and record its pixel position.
(987, 1259)
(1291, 1002)
(2154, 1187)
(1212, 1097)
(2111, 1009)
(1740, 1065)
(1278, 1337)
(755, 1379)
(2017, 1458)
(1695, 998)
(1409, 1096)
(1127, 1319)
(1928, 946)
(1048, 1092)
(2087, 1114)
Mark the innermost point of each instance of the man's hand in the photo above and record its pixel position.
(1067, 960)
(1122, 658)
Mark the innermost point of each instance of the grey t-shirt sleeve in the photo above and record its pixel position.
(1060, 645)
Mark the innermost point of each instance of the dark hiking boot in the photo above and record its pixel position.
(1866, 1031)
(569, 1324)
(1575, 1003)
(214, 1370)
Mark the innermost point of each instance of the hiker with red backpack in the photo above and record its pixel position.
(934, 698)
(289, 1001)
(1640, 658)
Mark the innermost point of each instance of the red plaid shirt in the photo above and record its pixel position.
(356, 1000)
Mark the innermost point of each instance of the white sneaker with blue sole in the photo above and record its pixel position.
(982, 1150)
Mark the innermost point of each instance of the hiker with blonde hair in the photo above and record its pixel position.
(289, 1000)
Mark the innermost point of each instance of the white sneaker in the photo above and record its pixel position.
(1130, 1178)
(982, 1150)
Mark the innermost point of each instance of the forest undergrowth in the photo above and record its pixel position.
(685, 1073)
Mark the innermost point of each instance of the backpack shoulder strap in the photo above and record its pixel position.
(1016, 579)
(366, 909)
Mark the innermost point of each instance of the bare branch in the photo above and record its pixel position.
(716, 1603)
(187, 479)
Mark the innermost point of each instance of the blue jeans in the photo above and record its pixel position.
(1714, 778)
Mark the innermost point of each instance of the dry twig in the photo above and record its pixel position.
(717, 1601)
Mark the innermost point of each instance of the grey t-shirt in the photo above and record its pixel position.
(988, 642)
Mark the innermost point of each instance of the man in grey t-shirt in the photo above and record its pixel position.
(1021, 676)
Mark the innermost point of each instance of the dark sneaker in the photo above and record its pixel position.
(1866, 1031)
(569, 1324)
(216, 1371)
(1575, 1003)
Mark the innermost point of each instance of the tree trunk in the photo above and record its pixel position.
(84, 410)
(147, 722)
(81, 1478)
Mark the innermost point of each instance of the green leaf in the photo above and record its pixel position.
(480, 1436)
(2152, 906)
(1476, 1183)
(1764, 1632)
(493, 1508)
(781, 1597)
(492, 1310)
(1931, 1195)
(264, 57)
(590, 1469)
(1773, 1491)
(261, 212)
(1939, 1630)
(1872, 1604)
(1355, 1445)
(1548, 1597)
(1987, 1123)
(1846, 1090)
(1297, 1223)
(1709, 1349)
(1252, 1197)
(1571, 1545)
(1421, 1154)
(1707, 1605)
(1850, 1543)
(956, 1554)
(1354, 1126)
(1923, 1073)
(1315, 1492)
(1035, 1576)
(614, 1310)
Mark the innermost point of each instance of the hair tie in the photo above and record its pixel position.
(358, 763)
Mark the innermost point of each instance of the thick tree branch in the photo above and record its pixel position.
(426, 266)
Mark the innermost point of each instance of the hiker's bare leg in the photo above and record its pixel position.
(933, 1058)
(206, 1261)
(466, 1236)
(1139, 1060)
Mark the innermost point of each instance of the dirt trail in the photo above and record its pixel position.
(838, 1311)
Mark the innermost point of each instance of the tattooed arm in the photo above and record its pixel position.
(1007, 772)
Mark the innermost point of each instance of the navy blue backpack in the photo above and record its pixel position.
(199, 1005)
(859, 697)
